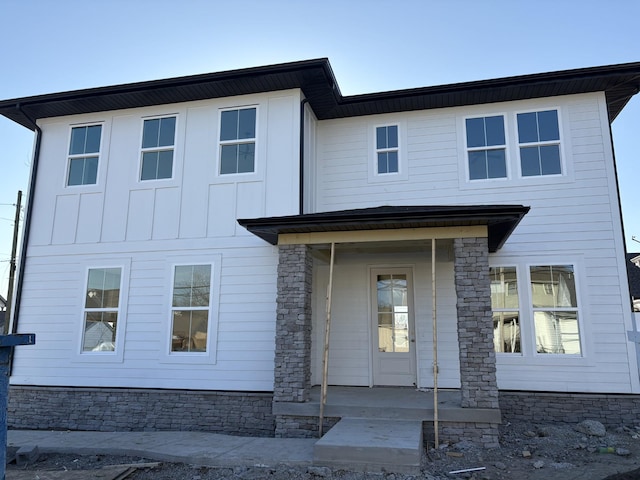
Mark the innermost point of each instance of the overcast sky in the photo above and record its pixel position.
(50, 46)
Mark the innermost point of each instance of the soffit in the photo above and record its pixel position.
(316, 80)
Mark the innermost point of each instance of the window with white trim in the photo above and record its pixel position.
(101, 309)
(387, 149)
(84, 153)
(190, 308)
(237, 140)
(555, 309)
(505, 305)
(486, 147)
(539, 143)
(158, 141)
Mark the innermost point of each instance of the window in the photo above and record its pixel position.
(486, 147)
(555, 309)
(84, 150)
(190, 308)
(158, 139)
(506, 310)
(539, 139)
(387, 149)
(237, 141)
(101, 310)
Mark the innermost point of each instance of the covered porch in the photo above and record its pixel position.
(378, 243)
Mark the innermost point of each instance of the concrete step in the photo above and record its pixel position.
(372, 445)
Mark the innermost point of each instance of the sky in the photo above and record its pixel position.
(373, 46)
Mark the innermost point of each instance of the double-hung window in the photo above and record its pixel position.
(486, 147)
(158, 141)
(101, 309)
(506, 309)
(387, 149)
(84, 152)
(237, 140)
(555, 309)
(190, 308)
(539, 142)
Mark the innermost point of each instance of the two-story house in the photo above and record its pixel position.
(187, 241)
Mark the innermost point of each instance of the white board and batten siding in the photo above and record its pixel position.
(574, 219)
(149, 227)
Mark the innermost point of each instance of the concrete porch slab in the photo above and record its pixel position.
(395, 403)
(371, 445)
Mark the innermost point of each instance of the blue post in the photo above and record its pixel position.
(7, 342)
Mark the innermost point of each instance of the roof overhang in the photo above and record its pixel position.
(443, 222)
(316, 80)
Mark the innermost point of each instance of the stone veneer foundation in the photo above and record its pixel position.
(126, 409)
(613, 410)
(248, 413)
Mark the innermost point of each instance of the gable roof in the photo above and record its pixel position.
(633, 273)
(317, 81)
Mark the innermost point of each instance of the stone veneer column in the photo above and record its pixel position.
(292, 374)
(475, 323)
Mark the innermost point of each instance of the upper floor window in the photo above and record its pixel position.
(555, 309)
(486, 147)
(101, 309)
(506, 309)
(158, 140)
(190, 308)
(237, 141)
(387, 149)
(539, 141)
(84, 151)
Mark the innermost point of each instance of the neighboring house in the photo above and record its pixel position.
(179, 238)
(633, 271)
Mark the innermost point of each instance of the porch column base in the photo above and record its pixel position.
(293, 426)
(482, 434)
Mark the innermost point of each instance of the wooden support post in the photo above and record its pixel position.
(327, 330)
(435, 342)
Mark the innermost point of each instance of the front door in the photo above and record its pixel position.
(393, 327)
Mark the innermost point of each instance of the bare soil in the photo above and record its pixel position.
(528, 452)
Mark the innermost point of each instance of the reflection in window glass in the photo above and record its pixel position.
(555, 309)
(393, 313)
(101, 309)
(505, 306)
(190, 308)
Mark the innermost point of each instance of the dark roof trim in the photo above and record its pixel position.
(316, 80)
(501, 220)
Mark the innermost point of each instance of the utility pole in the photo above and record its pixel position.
(12, 263)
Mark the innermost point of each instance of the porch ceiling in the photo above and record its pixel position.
(500, 221)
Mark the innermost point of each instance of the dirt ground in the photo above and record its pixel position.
(528, 451)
